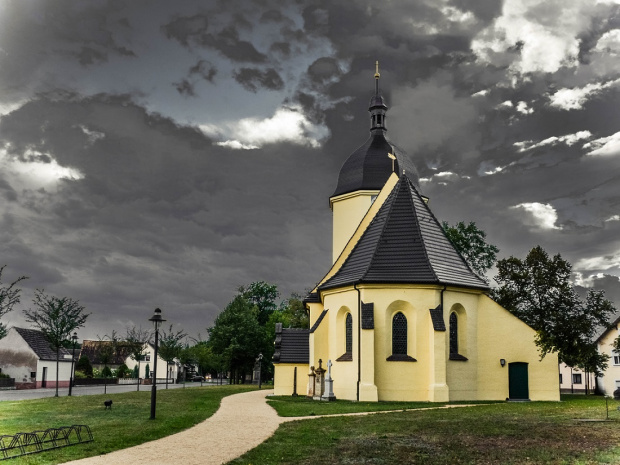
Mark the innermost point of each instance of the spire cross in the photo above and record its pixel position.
(392, 157)
(377, 76)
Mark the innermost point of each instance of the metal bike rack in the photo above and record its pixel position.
(17, 445)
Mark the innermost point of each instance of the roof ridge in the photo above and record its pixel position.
(434, 218)
(417, 223)
(389, 199)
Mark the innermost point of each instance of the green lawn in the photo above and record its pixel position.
(502, 433)
(127, 424)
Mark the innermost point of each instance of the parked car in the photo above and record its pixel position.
(198, 378)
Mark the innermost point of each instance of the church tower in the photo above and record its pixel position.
(365, 173)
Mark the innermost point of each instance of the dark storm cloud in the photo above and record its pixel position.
(255, 79)
(195, 31)
(152, 213)
(202, 70)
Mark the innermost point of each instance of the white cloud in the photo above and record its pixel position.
(609, 42)
(523, 108)
(574, 99)
(543, 215)
(568, 139)
(601, 263)
(93, 136)
(605, 146)
(613, 218)
(547, 34)
(36, 173)
(288, 124)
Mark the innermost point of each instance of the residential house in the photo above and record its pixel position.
(576, 381)
(27, 356)
(610, 379)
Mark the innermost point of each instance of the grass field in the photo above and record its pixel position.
(127, 424)
(502, 433)
(488, 433)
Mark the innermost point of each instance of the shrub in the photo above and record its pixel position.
(84, 366)
(3, 375)
(106, 372)
(122, 371)
(80, 375)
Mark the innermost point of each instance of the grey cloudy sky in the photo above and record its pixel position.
(160, 154)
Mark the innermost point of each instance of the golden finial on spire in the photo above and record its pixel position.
(377, 75)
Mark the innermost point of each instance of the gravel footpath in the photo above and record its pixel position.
(242, 422)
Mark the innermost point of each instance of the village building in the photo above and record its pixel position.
(400, 315)
(28, 357)
(609, 381)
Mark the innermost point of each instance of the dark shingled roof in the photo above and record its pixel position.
(37, 342)
(93, 349)
(405, 243)
(292, 345)
(369, 167)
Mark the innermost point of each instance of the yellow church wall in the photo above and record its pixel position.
(284, 376)
(462, 376)
(501, 335)
(348, 211)
(403, 380)
(344, 373)
(610, 381)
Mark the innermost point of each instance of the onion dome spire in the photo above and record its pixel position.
(377, 107)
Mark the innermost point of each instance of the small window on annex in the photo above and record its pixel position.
(576, 378)
(616, 358)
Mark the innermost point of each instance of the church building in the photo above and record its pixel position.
(400, 315)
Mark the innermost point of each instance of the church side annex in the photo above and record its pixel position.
(400, 314)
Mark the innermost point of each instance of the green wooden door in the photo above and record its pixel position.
(517, 381)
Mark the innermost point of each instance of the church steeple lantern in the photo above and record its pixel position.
(365, 173)
(377, 107)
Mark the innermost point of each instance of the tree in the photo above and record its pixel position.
(471, 243)
(263, 295)
(56, 318)
(9, 297)
(238, 337)
(108, 348)
(83, 365)
(538, 291)
(170, 346)
(135, 338)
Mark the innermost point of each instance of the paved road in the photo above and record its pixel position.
(86, 390)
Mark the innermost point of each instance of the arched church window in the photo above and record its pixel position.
(399, 334)
(454, 338)
(454, 334)
(349, 334)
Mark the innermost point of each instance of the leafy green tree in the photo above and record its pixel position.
(170, 346)
(83, 365)
(263, 295)
(108, 348)
(56, 318)
(9, 297)
(136, 338)
(238, 337)
(538, 291)
(471, 243)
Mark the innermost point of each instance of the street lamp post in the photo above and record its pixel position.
(74, 339)
(260, 366)
(157, 320)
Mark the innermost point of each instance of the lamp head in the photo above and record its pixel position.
(156, 318)
(74, 337)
